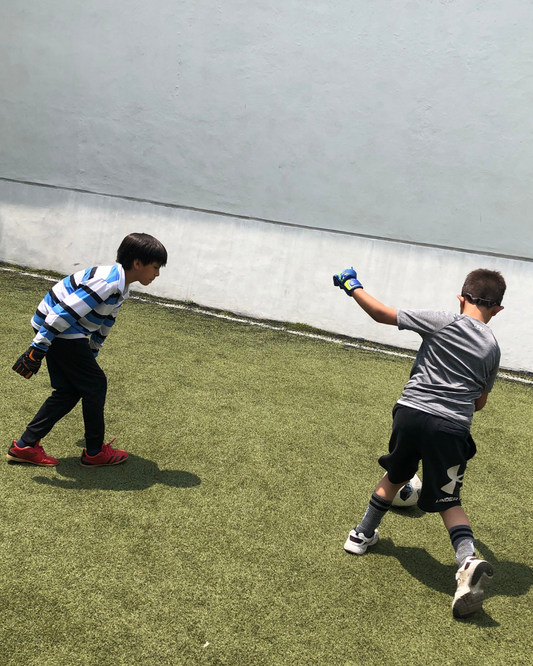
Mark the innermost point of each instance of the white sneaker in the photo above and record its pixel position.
(358, 543)
(472, 579)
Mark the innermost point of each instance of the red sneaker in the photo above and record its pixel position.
(107, 456)
(31, 454)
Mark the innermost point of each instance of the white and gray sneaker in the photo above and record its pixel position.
(358, 543)
(472, 580)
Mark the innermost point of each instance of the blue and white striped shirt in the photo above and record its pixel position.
(85, 303)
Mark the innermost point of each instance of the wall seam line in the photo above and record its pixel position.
(250, 218)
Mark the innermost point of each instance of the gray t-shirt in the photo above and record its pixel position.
(457, 362)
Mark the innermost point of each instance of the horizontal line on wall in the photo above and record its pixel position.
(266, 221)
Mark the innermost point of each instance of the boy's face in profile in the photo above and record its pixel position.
(147, 273)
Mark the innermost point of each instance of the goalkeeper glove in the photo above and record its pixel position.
(347, 280)
(29, 363)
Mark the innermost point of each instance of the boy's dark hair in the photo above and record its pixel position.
(484, 287)
(144, 247)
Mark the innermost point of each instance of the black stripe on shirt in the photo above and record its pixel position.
(52, 330)
(73, 283)
(92, 293)
(40, 314)
(97, 315)
(53, 296)
(93, 271)
(70, 311)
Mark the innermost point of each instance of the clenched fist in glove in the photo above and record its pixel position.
(347, 280)
(29, 363)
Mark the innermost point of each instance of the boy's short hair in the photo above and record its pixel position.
(484, 287)
(144, 247)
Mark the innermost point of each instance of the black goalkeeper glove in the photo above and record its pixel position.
(29, 363)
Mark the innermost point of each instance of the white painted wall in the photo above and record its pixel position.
(408, 121)
(405, 120)
(262, 270)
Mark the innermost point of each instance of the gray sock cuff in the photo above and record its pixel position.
(460, 533)
(380, 503)
(462, 539)
(377, 508)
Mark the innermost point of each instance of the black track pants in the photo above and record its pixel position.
(74, 375)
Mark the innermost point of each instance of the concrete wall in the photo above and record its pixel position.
(365, 121)
(269, 271)
(405, 120)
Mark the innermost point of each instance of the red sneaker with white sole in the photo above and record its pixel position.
(34, 455)
(107, 456)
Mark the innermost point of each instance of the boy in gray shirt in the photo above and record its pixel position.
(452, 375)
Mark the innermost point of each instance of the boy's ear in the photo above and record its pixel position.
(461, 301)
(496, 309)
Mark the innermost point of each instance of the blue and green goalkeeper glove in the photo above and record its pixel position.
(347, 280)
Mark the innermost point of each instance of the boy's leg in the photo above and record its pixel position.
(474, 575)
(89, 381)
(401, 462)
(94, 392)
(28, 448)
(365, 534)
(54, 408)
(445, 456)
(379, 504)
(388, 490)
(61, 402)
(461, 535)
(75, 374)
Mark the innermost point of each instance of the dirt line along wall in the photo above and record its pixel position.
(391, 136)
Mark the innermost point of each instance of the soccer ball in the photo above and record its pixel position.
(409, 494)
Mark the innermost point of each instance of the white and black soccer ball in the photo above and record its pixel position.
(409, 494)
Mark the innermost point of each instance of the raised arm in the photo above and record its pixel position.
(383, 314)
(348, 281)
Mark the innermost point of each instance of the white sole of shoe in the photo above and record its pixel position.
(359, 549)
(472, 601)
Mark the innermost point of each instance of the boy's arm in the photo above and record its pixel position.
(77, 305)
(348, 281)
(98, 337)
(383, 314)
(480, 402)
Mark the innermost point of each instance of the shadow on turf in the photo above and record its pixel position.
(511, 579)
(135, 474)
(410, 512)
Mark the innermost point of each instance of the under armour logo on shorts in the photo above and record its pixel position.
(455, 478)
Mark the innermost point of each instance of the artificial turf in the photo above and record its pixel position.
(253, 453)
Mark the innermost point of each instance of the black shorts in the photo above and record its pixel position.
(441, 445)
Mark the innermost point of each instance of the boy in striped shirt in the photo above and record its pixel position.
(71, 324)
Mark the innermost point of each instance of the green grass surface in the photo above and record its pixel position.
(220, 540)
